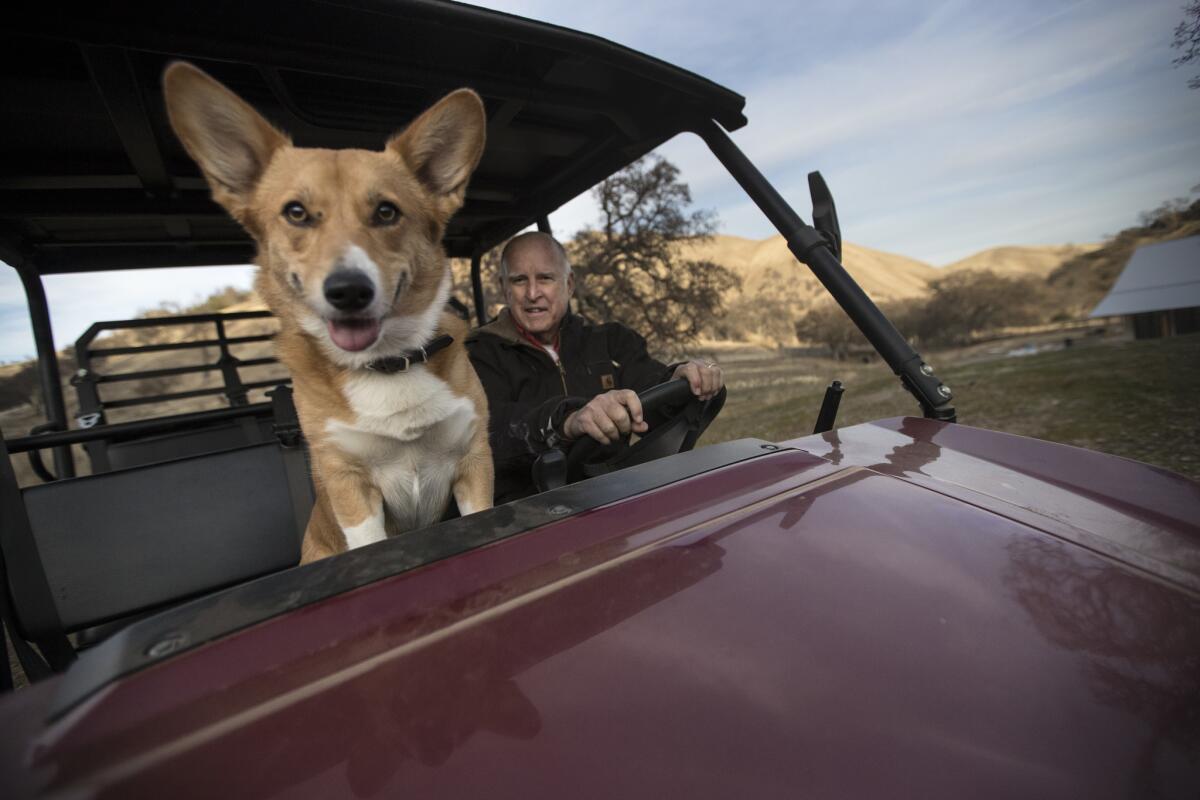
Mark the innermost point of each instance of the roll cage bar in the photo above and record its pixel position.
(565, 110)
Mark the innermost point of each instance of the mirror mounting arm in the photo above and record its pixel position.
(814, 248)
(825, 218)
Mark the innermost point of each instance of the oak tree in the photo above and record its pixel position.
(630, 269)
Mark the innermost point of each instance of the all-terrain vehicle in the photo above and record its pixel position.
(909, 607)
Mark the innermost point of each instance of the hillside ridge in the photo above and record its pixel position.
(768, 265)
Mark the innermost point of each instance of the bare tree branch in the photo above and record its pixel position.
(1187, 39)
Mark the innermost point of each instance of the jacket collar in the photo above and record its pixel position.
(505, 327)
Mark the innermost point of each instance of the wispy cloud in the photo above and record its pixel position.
(943, 128)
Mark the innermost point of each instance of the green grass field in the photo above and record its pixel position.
(1138, 399)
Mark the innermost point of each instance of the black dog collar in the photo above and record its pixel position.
(401, 363)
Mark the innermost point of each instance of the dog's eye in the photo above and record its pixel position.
(295, 213)
(386, 214)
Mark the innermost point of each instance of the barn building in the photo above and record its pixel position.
(1158, 292)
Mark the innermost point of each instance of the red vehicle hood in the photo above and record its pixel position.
(901, 611)
(1134, 512)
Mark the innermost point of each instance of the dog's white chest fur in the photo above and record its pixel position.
(410, 431)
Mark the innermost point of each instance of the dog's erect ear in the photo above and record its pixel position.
(443, 146)
(230, 141)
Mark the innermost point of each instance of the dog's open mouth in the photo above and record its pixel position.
(353, 334)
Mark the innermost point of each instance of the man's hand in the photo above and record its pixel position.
(607, 417)
(704, 376)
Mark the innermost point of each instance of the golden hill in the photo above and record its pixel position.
(777, 289)
(1037, 261)
(767, 267)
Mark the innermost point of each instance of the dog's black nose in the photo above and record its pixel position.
(349, 290)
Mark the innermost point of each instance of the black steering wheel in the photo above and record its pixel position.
(688, 417)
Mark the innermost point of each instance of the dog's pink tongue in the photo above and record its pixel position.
(354, 334)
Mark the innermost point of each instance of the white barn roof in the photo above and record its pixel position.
(1158, 277)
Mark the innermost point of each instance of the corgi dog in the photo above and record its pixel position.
(350, 260)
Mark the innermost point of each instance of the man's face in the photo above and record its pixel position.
(537, 288)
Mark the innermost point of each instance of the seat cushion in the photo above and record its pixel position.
(115, 543)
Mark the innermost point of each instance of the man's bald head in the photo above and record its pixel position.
(533, 244)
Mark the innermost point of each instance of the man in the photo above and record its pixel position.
(552, 378)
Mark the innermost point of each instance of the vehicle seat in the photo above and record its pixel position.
(83, 551)
(168, 446)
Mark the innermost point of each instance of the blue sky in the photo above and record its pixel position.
(943, 128)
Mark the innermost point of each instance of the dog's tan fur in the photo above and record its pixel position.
(374, 438)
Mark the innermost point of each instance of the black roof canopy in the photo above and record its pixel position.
(92, 177)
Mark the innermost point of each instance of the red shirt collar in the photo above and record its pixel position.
(536, 342)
